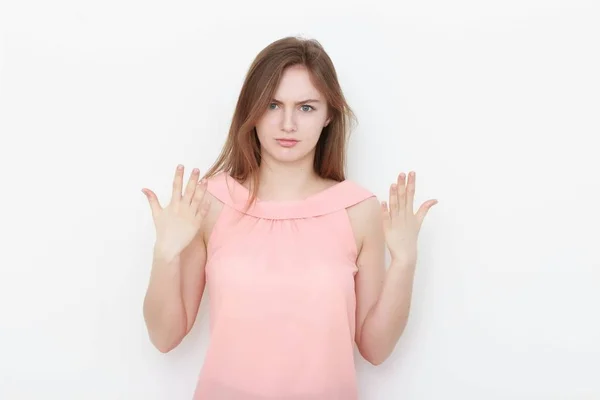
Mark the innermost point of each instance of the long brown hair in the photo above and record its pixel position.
(240, 156)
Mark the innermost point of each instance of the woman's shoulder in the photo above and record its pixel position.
(220, 187)
(363, 205)
(355, 195)
(216, 196)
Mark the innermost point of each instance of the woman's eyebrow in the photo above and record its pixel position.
(299, 102)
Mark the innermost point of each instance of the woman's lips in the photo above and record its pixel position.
(287, 142)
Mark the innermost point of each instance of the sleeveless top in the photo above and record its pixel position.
(280, 278)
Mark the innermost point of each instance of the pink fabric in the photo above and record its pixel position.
(280, 278)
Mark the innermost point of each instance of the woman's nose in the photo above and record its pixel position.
(289, 123)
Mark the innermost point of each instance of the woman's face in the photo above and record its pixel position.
(291, 126)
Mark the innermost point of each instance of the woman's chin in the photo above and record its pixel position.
(289, 155)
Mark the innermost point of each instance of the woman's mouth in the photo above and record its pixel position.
(287, 142)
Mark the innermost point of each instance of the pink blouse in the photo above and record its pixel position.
(280, 278)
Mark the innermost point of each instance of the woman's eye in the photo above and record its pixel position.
(305, 108)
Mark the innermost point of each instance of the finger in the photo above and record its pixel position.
(198, 195)
(393, 200)
(191, 186)
(153, 201)
(410, 192)
(177, 184)
(424, 209)
(401, 185)
(385, 215)
(203, 210)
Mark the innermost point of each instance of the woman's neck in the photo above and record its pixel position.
(287, 182)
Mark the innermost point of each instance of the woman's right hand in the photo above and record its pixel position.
(180, 221)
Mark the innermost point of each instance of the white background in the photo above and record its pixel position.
(495, 104)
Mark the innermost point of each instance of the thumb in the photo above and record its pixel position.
(424, 209)
(153, 201)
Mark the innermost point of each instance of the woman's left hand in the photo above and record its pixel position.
(401, 226)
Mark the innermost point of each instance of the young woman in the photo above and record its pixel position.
(292, 252)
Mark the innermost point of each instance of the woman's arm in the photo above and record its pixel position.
(384, 297)
(177, 285)
(385, 300)
(174, 294)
